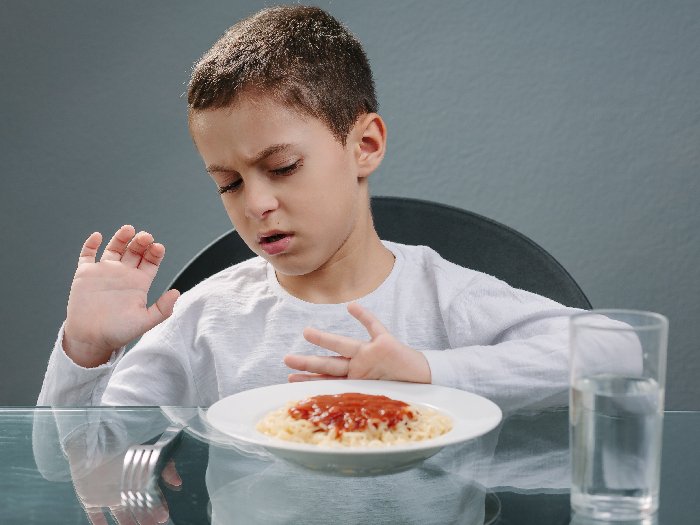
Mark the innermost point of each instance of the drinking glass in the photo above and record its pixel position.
(618, 374)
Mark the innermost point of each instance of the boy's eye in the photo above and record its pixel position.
(236, 184)
(232, 186)
(287, 170)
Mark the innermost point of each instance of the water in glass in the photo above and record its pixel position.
(615, 441)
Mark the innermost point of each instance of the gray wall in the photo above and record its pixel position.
(577, 123)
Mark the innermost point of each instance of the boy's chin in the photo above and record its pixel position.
(283, 266)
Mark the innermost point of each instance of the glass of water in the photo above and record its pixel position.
(618, 374)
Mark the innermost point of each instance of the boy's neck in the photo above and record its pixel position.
(362, 267)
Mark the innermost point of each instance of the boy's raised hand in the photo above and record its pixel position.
(382, 357)
(107, 306)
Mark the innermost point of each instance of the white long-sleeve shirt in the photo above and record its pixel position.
(230, 333)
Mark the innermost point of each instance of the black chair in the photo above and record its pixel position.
(465, 238)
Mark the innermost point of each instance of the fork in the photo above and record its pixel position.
(140, 467)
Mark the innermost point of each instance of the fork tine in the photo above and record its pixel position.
(149, 474)
(133, 469)
(152, 463)
(128, 457)
(142, 479)
(142, 476)
(126, 468)
(131, 460)
(139, 490)
(126, 465)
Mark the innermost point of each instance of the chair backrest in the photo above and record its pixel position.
(465, 238)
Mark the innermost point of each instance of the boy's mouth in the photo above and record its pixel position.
(275, 242)
(272, 238)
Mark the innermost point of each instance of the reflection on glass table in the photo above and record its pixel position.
(65, 466)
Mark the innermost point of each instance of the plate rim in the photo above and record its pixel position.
(277, 444)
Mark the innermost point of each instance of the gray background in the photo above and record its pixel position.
(577, 123)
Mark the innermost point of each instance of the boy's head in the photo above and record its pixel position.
(281, 110)
(299, 55)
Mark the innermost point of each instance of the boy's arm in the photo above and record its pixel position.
(508, 345)
(155, 372)
(68, 384)
(513, 347)
(526, 366)
(107, 309)
(521, 364)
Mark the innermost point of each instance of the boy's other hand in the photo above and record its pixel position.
(382, 357)
(107, 306)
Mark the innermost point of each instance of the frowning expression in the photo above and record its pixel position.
(290, 188)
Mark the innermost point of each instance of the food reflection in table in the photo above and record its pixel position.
(224, 483)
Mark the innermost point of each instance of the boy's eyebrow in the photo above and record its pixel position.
(267, 152)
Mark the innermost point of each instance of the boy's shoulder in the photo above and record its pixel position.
(424, 259)
(425, 272)
(237, 282)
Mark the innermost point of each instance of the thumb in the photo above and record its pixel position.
(162, 308)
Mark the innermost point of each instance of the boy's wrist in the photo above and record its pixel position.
(84, 354)
(422, 369)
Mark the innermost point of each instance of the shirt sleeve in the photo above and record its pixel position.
(508, 345)
(69, 384)
(155, 372)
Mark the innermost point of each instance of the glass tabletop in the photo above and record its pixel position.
(64, 465)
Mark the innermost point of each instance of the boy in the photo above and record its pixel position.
(283, 112)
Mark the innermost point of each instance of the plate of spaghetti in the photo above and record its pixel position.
(354, 427)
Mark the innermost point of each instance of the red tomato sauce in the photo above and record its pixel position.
(350, 411)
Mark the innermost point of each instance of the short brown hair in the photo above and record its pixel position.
(300, 55)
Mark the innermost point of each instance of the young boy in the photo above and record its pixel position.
(283, 112)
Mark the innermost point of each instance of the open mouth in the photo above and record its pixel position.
(272, 238)
(275, 243)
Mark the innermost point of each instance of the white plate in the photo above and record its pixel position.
(237, 415)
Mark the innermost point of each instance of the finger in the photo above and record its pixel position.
(89, 250)
(327, 365)
(371, 323)
(152, 258)
(340, 344)
(163, 308)
(117, 244)
(299, 378)
(136, 248)
(170, 476)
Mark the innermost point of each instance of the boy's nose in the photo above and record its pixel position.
(259, 201)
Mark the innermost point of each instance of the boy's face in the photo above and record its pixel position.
(291, 190)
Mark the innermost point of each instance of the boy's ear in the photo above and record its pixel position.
(370, 143)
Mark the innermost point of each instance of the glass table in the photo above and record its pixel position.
(64, 465)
